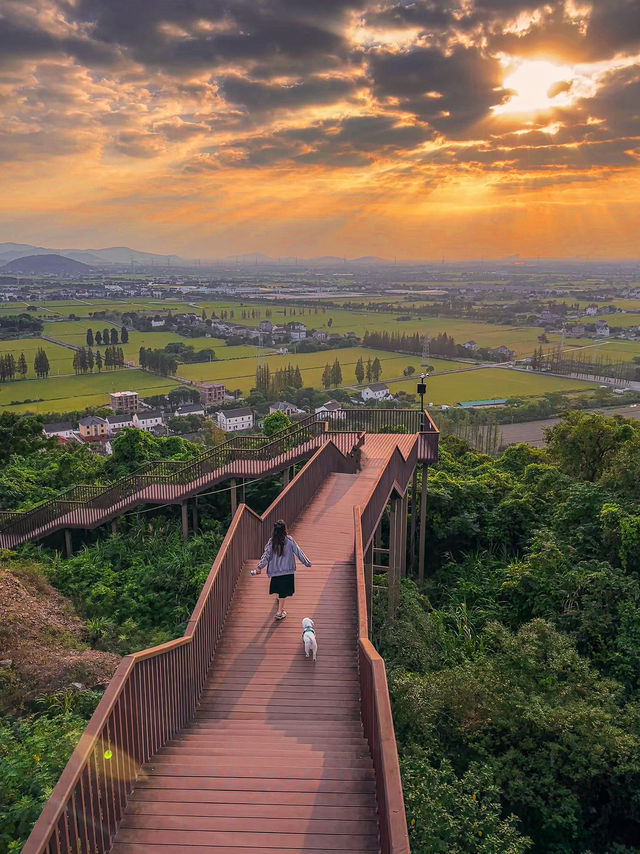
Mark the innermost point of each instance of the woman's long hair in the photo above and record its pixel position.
(279, 537)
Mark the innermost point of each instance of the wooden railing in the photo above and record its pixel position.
(168, 481)
(376, 714)
(154, 693)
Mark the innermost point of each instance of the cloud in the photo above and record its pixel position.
(397, 96)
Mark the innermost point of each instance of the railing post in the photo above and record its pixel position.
(404, 509)
(67, 542)
(368, 582)
(285, 477)
(185, 520)
(194, 515)
(234, 497)
(414, 507)
(423, 523)
(393, 572)
(114, 526)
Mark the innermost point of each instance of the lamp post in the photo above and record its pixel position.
(421, 389)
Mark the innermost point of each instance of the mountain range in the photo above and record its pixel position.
(123, 255)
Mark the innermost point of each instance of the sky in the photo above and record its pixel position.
(419, 129)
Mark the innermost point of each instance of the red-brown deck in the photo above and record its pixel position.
(275, 758)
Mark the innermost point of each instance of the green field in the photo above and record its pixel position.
(62, 394)
(615, 350)
(240, 373)
(75, 332)
(521, 339)
(60, 358)
(486, 383)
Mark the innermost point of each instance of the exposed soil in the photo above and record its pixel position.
(44, 639)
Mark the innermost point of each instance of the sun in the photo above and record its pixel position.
(538, 85)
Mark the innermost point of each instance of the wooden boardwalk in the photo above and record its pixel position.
(275, 758)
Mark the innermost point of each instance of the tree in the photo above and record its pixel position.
(22, 366)
(336, 374)
(330, 322)
(98, 361)
(98, 337)
(583, 445)
(409, 371)
(369, 370)
(326, 377)
(20, 435)
(89, 337)
(297, 379)
(41, 364)
(124, 335)
(376, 370)
(359, 371)
(114, 336)
(105, 336)
(142, 357)
(90, 359)
(275, 422)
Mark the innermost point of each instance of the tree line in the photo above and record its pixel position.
(271, 383)
(158, 361)
(107, 336)
(10, 367)
(85, 360)
(372, 370)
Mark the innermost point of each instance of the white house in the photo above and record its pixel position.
(232, 420)
(591, 310)
(297, 330)
(63, 429)
(283, 406)
(375, 391)
(470, 345)
(189, 409)
(602, 329)
(157, 322)
(319, 335)
(329, 406)
(148, 419)
(116, 423)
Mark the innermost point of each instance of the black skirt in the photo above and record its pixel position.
(283, 585)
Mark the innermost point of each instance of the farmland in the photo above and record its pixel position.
(62, 394)
(486, 383)
(240, 373)
(60, 358)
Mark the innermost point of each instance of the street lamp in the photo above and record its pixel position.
(421, 389)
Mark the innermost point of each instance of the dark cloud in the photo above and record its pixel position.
(258, 95)
(467, 82)
(354, 141)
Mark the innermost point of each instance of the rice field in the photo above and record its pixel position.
(63, 394)
(487, 383)
(241, 373)
(60, 358)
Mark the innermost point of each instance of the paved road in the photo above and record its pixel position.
(532, 431)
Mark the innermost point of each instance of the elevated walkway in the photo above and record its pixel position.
(228, 740)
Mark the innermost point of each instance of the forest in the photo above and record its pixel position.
(514, 672)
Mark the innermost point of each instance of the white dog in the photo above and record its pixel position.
(309, 638)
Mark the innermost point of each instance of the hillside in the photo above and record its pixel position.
(46, 265)
(43, 639)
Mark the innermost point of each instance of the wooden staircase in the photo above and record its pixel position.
(228, 740)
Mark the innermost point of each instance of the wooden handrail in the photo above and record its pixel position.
(154, 693)
(377, 719)
(170, 481)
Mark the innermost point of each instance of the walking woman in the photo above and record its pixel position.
(280, 559)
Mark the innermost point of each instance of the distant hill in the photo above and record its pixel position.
(41, 265)
(114, 255)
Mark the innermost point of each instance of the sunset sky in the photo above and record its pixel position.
(304, 127)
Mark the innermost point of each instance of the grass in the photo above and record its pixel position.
(486, 383)
(63, 394)
(60, 358)
(240, 373)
